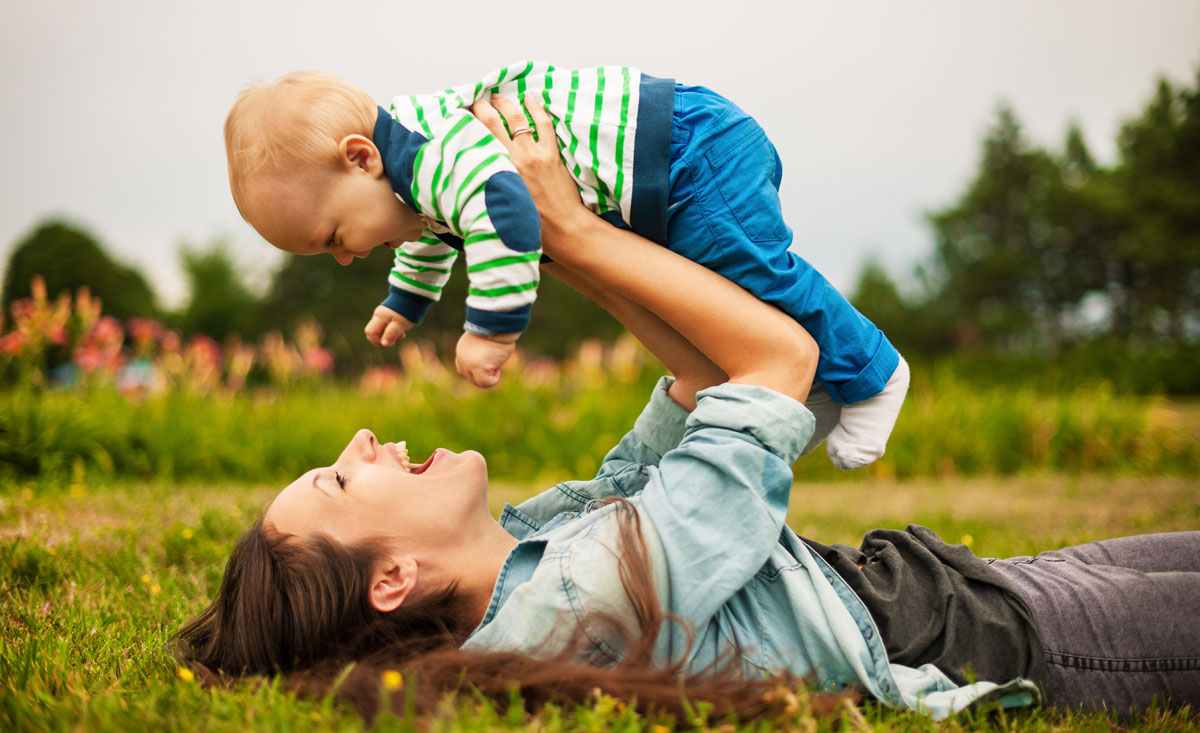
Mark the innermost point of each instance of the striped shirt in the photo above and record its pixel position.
(448, 167)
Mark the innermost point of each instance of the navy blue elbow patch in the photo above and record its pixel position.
(511, 209)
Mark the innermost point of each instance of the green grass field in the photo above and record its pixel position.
(94, 579)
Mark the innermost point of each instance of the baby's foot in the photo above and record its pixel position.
(864, 427)
(826, 411)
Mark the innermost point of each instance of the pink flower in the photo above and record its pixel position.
(379, 379)
(88, 358)
(318, 360)
(170, 341)
(11, 344)
(108, 333)
(144, 332)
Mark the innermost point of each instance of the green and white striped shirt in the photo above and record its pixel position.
(456, 178)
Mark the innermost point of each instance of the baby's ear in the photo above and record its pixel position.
(359, 152)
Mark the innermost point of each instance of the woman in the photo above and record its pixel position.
(675, 559)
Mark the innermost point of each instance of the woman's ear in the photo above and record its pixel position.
(359, 152)
(393, 581)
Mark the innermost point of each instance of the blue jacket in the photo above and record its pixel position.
(711, 490)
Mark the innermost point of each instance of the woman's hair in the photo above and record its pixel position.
(297, 119)
(299, 607)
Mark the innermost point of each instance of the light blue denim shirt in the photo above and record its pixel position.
(711, 493)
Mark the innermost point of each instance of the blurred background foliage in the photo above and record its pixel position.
(1046, 251)
(1046, 261)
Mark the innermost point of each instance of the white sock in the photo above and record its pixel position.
(864, 427)
(826, 411)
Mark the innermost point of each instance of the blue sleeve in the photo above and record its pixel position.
(719, 500)
(410, 305)
(657, 430)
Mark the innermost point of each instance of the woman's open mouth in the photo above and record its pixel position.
(428, 463)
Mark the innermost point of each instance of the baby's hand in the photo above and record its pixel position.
(479, 358)
(386, 327)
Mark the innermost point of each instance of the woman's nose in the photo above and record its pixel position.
(362, 447)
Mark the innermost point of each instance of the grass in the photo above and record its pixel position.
(530, 426)
(95, 578)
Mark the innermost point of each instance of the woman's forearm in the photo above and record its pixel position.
(747, 339)
(693, 370)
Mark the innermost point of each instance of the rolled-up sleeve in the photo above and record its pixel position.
(657, 430)
(719, 499)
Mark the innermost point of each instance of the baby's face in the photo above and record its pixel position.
(345, 212)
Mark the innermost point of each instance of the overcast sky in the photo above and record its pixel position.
(112, 111)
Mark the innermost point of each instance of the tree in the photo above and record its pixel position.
(342, 299)
(1024, 244)
(68, 258)
(1158, 179)
(219, 303)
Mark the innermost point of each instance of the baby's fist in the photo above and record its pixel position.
(479, 358)
(386, 327)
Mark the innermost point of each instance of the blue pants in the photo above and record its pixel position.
(723, 212)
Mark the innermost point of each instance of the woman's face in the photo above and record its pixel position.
(370, 492)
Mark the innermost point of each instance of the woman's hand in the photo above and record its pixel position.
(557, 199)
(539, 163)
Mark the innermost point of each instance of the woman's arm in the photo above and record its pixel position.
(746, 339)
(693, 371)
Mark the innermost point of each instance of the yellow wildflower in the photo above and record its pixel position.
(186, 674)
(967, 540)
(187, 533)
(145, 578)
(659, 729)
(155, 589)
(393, 680)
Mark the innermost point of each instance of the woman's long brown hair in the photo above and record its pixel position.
(300, 608)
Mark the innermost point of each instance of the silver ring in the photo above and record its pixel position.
(521, 130)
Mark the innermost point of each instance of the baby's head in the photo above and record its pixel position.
(305, 172)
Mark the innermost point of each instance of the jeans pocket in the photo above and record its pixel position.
(744, 170)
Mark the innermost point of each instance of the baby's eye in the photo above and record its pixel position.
(341, 480)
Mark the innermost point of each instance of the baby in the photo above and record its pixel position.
(315, 166)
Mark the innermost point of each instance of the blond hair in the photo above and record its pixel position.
(297, 119)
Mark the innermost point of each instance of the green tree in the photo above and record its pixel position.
(876, 296)
(219, 302)
(1006, 260)
(68, 258)
(342, 299)
(1158, 179)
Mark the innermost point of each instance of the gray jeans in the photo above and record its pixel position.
(1119, 620)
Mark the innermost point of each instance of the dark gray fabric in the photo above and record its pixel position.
(940, 604)
(1119, 619)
